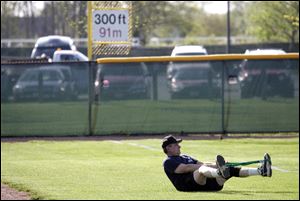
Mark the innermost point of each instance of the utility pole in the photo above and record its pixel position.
(228, 28)
(90, 43)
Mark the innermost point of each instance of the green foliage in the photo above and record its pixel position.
(274, 20)
(132, 169)
(163, 18)
(269, 21)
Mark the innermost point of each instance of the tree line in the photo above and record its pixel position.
(272, 21)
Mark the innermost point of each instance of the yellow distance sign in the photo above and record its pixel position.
(110, 25)
(109, 28)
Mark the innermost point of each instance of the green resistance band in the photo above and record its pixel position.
(233, 164)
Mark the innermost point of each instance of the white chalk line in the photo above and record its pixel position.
(154, 149)
(136, 145)
(115, 141)
(283, 170)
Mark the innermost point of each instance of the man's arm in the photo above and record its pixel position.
(186, 168)
(209, 164)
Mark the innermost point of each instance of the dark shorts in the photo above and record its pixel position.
(211, 185)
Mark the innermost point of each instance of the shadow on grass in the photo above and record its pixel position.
(254, 192)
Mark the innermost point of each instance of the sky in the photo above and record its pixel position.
(213, 7)
(39, 4)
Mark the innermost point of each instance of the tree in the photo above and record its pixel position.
(271, 21)
(17, 19)
(268, 21)
(147, 16)
(7, 12)
(238, 17)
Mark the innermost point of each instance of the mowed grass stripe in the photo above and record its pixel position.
(106, 170)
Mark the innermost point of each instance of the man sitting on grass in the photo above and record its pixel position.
(189, 174)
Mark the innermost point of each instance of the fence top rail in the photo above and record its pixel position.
(216, 57)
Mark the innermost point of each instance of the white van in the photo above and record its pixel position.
(47, 45)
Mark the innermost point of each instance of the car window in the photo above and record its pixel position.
(51, 76)
(68, 58)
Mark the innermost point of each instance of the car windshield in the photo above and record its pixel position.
(54, 43)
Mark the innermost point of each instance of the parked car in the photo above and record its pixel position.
(126, 81)
(69, 79)
(188, 50)
(48, 82)
(266, 78)
(193, 80)
(4, 86)
(46, 46)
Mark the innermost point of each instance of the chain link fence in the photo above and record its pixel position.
(152, 95)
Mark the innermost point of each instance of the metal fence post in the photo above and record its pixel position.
(90, 95)
(223, 98)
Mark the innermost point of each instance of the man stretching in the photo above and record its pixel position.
(189, 174)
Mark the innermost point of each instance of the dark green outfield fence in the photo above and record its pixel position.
(151, 95)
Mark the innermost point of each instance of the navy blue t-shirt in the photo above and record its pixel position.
(180, 181)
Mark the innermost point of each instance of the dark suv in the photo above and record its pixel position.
(122, 81)
(46, 46)
(193, 80)
(266, 78)
(47, 82)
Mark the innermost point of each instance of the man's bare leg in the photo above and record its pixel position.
(205, 172)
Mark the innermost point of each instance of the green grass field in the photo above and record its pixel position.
(132, 169)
